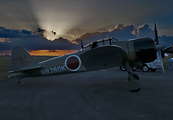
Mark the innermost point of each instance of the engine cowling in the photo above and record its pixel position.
(145, 50)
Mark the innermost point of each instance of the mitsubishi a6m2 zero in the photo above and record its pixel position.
(101, 54)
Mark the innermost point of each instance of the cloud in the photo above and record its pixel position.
(167, 40)
(120, 32)
(144, 31)
(32, 41)
(14, 33)
(50, 35)
(55, 15)
(35, 40)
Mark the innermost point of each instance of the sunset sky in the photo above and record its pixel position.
(52, 24)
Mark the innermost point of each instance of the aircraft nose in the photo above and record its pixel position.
(160, 46)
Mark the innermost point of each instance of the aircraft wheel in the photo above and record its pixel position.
(122, 67)
(153, 70)
(135, 76)
(145, 68)
(135, 90)
(135, 83)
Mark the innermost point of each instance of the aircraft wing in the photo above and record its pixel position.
(104, 57)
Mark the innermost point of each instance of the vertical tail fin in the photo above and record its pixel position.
(21, 58)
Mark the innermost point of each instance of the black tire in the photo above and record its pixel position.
(135, 90)
(153, 70)
(135, 76)
(145, 68)
(122, 67)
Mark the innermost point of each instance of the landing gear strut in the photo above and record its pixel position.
(134, 85)
(19, 79)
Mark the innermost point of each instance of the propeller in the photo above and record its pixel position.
(81, 44)
(168, 50)
(159, 46)
(156, 40)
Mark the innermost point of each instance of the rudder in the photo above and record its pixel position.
(20, 58)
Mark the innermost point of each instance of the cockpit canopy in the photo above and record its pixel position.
(99, 43)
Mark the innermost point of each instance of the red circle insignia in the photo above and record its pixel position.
(73, 63)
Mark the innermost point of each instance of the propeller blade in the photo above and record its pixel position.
(161, 61)
(160, 46)
(168, 50)
(156, 34)
(81, 44)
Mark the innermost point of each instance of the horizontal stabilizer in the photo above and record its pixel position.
(25, 69)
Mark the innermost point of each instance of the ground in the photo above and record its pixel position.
(96, 95)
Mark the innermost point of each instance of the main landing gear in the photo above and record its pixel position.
(134, 85)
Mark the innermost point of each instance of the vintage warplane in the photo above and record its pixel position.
(101, 54)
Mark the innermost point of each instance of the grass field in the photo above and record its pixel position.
(5, 65)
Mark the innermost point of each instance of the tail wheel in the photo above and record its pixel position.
(145, 68)
(19, 79)
(122, 67)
